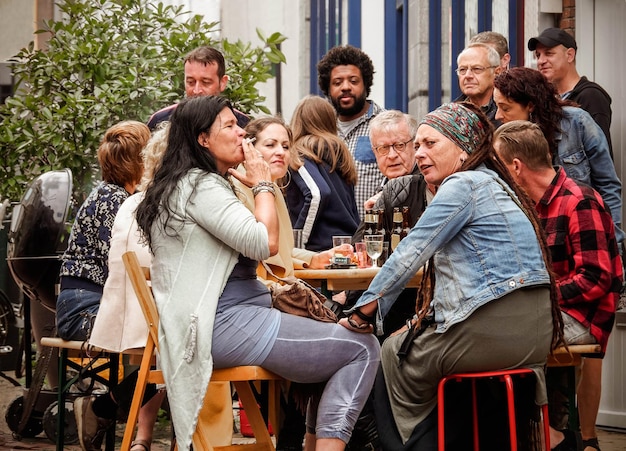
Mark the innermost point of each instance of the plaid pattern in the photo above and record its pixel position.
(585, 257)
(358, 141)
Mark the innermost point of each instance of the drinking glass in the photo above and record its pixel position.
(345, 254)
(374, 247)
(361, 253)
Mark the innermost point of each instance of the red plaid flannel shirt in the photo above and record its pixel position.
(585, 256)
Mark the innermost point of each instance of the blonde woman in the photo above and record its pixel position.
(320, 196)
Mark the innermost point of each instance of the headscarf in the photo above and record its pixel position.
(459, 124)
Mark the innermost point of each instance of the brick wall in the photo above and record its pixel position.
(568, 18)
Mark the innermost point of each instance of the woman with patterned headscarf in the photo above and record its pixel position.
(485, 286)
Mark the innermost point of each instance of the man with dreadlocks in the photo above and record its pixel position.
(486, 283)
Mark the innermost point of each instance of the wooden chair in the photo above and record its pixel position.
(239, 376)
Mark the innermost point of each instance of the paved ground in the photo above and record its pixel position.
(609, 441)
(8, 393)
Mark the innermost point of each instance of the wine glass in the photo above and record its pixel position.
(374, 247)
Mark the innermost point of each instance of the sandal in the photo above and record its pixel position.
(360, 327)
(592, 442)
(144, 443)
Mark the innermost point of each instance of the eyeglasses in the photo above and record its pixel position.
(386, 148)
(476, 70)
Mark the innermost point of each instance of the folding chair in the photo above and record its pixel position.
(240, 376)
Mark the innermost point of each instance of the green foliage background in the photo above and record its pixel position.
(110, 60)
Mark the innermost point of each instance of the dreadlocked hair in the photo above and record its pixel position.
(485, 154)
(425, 291)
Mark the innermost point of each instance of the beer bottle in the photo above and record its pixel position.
(406, 225)
(369, 222)
(396, 232)
(380, 226)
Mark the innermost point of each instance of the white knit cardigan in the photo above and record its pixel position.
(194, 255)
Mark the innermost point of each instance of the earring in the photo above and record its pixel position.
(288, 177)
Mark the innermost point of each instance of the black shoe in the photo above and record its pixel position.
(592, 442)
(365, 434)
(572, 441)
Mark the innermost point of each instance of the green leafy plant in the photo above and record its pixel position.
(110, 60)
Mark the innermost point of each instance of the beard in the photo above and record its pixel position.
(359, 103)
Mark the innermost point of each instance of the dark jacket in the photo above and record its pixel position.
(490, 109)
(164, 115)
(322, 204)
(596, 101)
(408, 190)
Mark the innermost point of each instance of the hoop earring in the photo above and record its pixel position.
(288, 177)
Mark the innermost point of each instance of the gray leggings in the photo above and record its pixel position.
(310, 351)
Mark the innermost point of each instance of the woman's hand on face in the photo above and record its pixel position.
(257, 169)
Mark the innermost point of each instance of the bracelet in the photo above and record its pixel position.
(356, 325)
(364, 317)
(263, 187)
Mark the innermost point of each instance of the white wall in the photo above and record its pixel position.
(241, 18)
(17, 24)
(373, 43)
(601, 38)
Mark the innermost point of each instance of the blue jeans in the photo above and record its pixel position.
(76, 312)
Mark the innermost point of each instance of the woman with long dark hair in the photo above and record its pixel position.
(213, 309)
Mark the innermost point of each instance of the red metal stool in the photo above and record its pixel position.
(505, 376)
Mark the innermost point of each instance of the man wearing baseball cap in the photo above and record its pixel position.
(555, 50)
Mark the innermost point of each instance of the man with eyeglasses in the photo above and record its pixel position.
(477, 66)
(391, 134)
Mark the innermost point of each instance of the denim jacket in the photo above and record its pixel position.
(483, 244)
(583, 151)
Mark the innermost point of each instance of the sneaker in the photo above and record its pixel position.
(91, 428)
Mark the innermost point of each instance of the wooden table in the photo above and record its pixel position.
(346, 279)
